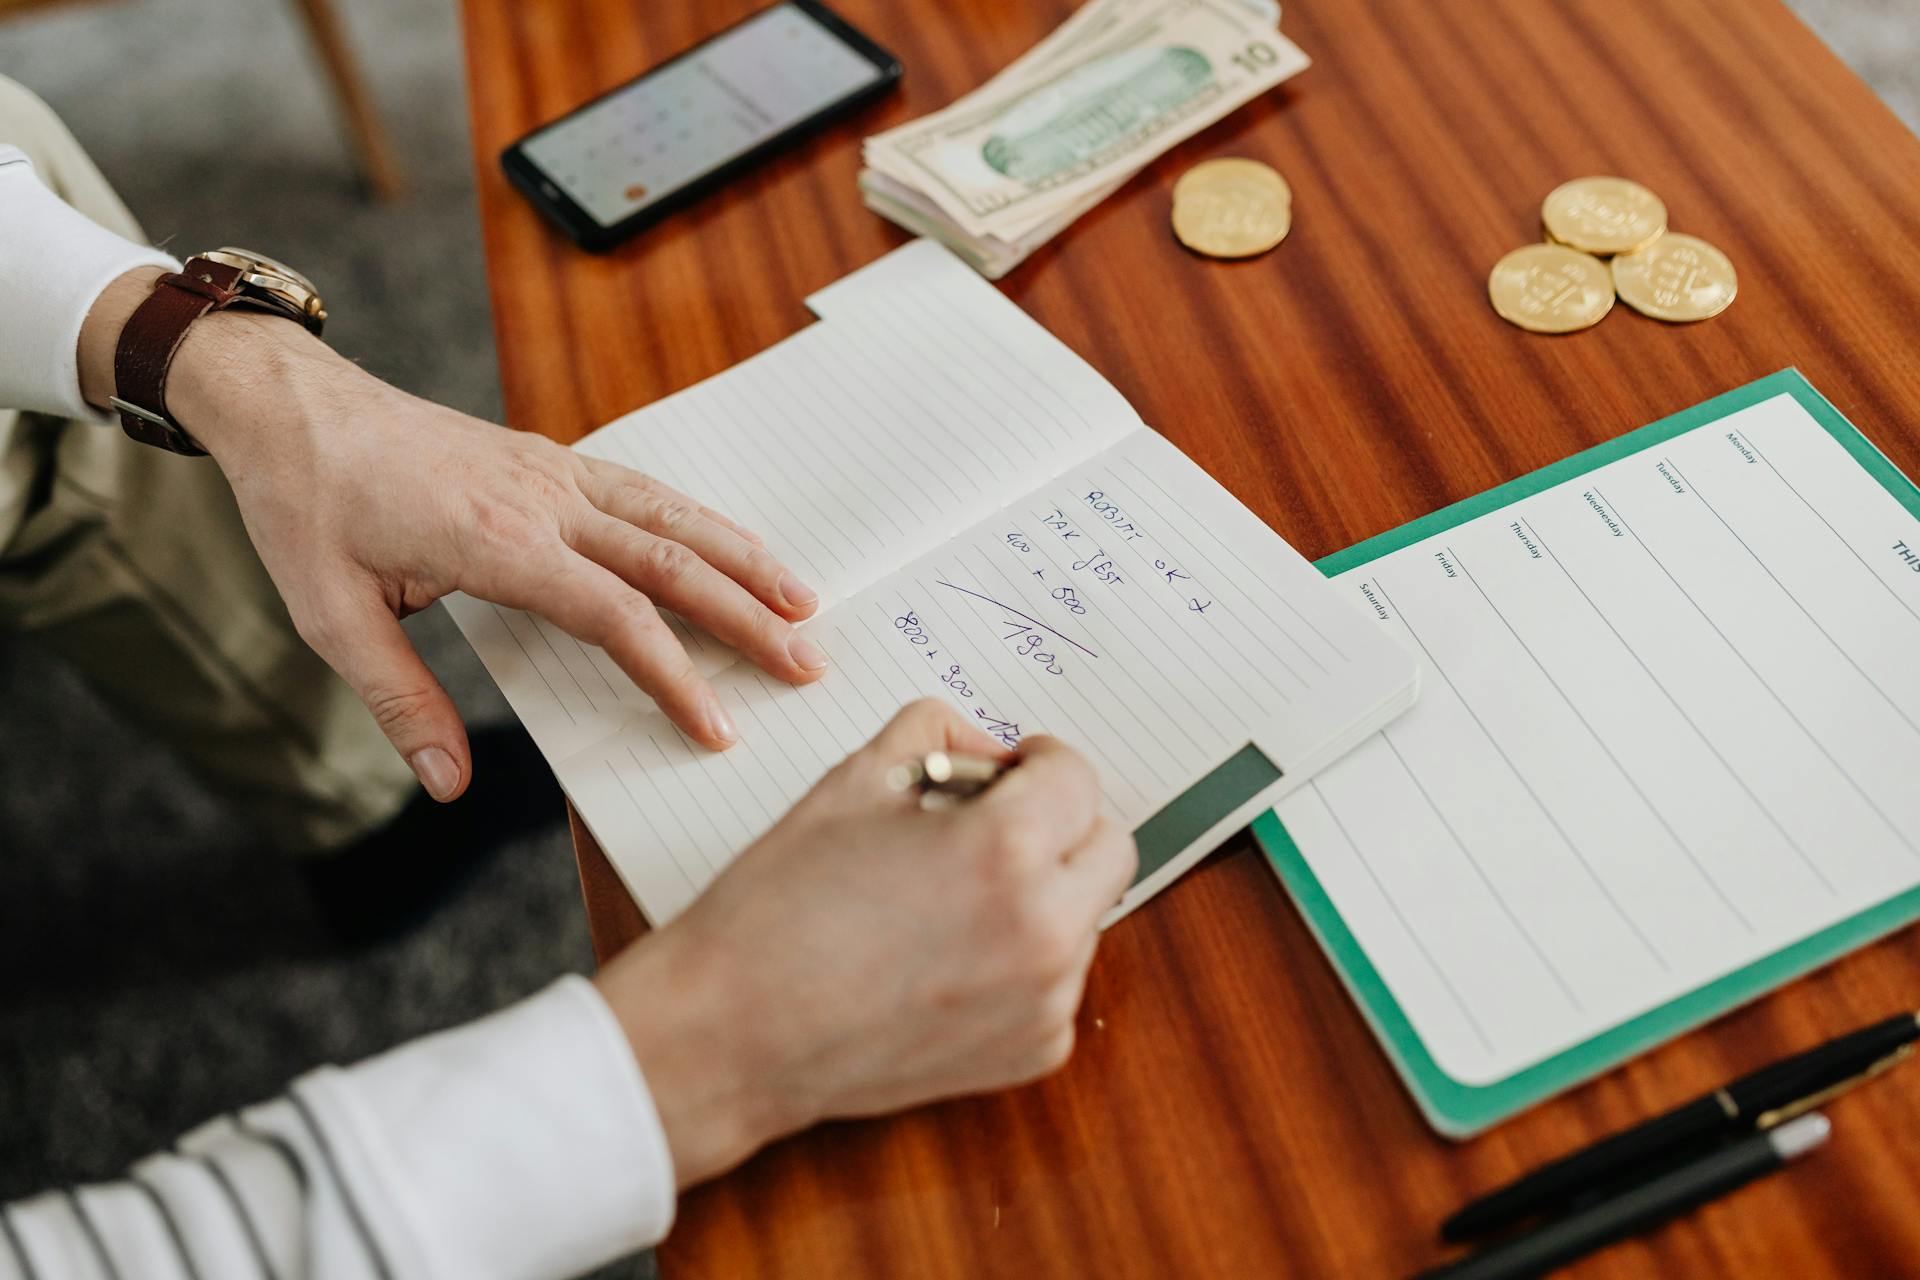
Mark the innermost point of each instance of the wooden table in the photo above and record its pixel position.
(1228, 1113)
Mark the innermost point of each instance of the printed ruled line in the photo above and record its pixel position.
(1175, 653)
(647, 818)
(1144, 731)
(706, 815)
(1779, 701)
(1837, 535)
(984, 384)
(547, 640)
(1674, 701)
(847, 645)
(677, 430)
(764, 735)
(1177, 723)
(1255, 636)
(1160, 603)
(830, 431)
(857, 362)
(1018, 614)
(1097, 743)
(1252, 575)
(1406, 925)
(745, 460)
(845, 408)
(1789, 594)
(771, 435)
(1499, 899)
(825, 762)
(707, 762)
(1600, 741)
(987, 427)
(1552, 818)
(520, 644)
(1012, 358)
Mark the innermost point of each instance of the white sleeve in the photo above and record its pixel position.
(53, 263)
(524, 1146)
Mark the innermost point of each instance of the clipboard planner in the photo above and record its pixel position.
(1666, 756)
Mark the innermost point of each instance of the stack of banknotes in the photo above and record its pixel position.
(1008, 167)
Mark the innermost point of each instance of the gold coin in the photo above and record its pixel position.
(1232, 208)
(1604, 215)
(1232, 169)
(1676, 278)
(1549, 288)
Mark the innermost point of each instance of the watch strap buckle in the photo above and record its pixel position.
(156, 429)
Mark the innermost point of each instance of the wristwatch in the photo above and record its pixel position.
(211, 281)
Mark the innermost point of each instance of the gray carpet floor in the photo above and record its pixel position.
(168, 968)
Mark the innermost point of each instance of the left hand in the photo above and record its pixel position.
(367, 504)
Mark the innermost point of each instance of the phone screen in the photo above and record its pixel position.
(685, 119)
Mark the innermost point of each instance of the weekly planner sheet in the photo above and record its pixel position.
(990, 523)
(1667, 753)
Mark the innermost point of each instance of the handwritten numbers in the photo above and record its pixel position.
(1026, 643)
(1005, 732)
(1071, 600)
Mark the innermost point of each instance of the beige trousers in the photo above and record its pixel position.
(132, 564)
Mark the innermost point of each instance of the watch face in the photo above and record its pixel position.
(273, 284)
(248, 260)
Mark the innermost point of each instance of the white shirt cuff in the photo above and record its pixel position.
(522, 1145)
(54, 262)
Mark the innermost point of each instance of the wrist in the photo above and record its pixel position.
(694, 1036)
(234, 372)
(243, 376)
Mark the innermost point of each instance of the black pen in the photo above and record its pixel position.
(1639, 1208)
(1757, 1101)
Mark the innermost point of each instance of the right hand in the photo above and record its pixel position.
(864, 956)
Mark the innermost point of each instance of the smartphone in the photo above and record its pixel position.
(630, 157)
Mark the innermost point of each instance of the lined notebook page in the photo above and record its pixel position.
(1671, 724)
(1131, 607)
(919, 402)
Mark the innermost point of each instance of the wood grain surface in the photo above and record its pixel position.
(1228, 1113)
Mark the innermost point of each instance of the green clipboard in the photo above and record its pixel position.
(1461, 1110)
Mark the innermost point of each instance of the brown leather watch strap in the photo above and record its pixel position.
(148, 342)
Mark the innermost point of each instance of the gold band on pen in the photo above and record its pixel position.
(1800, 1106)
(945, 774)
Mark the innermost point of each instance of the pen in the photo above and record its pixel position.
(943, 777)
(1647, 1205)
(1756, 1101)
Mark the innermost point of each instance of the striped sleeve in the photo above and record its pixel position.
(524, 1146)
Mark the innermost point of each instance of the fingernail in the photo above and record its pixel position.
(436, 771)
(720, 723)
(806, 652)
(795, 592)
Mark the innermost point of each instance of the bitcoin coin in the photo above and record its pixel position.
(1604, 215)
(1549, 288)
(1231, 208)
(1677, 278)
(1234, 169)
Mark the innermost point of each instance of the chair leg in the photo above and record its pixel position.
(350, 88)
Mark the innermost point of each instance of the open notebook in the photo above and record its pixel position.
(989, 522)
(1667, 757)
